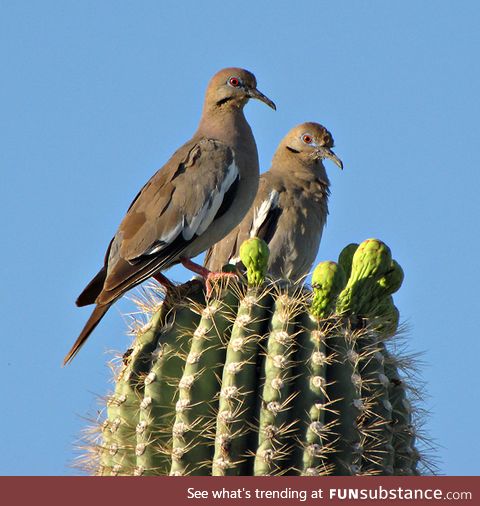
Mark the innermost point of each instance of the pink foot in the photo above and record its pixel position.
(207, 275)
(197, 269)
(214, 276)
(164, 281)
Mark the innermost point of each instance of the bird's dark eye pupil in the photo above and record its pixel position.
(307, 139)
(234, 81)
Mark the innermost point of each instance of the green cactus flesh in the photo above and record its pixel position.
(198, 385)
(254, 256)
(267, 378)
(276, 386)
(371, 262)
(161, 387)
(328, 279)
(345, 258)
(237, 397)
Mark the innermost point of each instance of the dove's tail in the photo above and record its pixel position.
(93, 289)
(93, 321)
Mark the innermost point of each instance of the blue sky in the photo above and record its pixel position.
(96, 95)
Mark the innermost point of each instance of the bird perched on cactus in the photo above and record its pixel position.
(197, 198)
(291, 206)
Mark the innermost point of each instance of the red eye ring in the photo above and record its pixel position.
(234, 81)
(307, 139)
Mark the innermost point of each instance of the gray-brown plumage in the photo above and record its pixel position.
(192, 202)
(291, 206)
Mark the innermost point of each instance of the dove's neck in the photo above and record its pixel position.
(299, 167)
(226, 123)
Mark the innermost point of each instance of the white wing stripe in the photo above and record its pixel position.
(203, 219)
(261, 212)
(166, 239)
(206, 215)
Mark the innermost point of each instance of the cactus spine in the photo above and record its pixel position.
(267, 379)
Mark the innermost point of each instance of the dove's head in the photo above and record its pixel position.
(311, 142)
(232, 88)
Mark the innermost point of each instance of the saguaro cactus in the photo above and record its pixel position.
(267, 378)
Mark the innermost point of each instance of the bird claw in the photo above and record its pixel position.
(209, 276)
(215, 276)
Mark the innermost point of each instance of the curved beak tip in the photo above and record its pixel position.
(337, 161)
(254, 93)
(327, 153)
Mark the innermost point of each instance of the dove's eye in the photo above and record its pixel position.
(234, 81)
(307, 139)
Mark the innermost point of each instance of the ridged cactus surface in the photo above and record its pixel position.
(267, 378)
